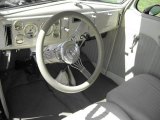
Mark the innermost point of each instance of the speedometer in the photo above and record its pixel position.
(30, 30)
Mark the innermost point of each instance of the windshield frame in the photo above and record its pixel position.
(52, 1)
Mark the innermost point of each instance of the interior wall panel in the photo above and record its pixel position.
(117, 62)
(90, 49)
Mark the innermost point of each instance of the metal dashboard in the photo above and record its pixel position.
(18, 32)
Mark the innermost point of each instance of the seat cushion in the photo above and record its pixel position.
(99, 111)
(139, 97)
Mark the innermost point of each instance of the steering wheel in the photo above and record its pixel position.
(69, 52)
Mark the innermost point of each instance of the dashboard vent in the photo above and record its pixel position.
(8, 34)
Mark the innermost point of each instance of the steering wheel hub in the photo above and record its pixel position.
(69, 52)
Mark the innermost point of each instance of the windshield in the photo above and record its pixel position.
(15, 3)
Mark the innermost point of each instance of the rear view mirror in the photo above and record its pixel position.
(153, 10)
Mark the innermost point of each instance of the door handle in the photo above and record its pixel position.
(135, 41)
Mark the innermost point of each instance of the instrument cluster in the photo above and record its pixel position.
(26, 32)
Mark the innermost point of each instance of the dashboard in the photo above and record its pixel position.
(24, 32)
(19, 28)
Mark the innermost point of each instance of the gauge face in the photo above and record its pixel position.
(30, 30)
(19, 39)
(49, 31)
(18, 25)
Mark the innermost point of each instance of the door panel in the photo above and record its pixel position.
(144, 59)
(145, 55)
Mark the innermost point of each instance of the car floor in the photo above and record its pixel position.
(28, 95)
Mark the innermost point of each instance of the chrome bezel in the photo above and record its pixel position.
(17, 37)
(36, 32)
(14, 24)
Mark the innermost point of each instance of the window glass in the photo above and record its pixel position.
(151, 7)
(143, 4)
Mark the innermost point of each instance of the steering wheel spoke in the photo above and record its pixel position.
(78, 32)
(75, 36)
(79, 66)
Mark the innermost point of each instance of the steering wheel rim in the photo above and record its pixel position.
(40, 61)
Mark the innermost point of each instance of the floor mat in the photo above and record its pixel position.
(99, 89)
(95, 93)
(29, 96)
(33, 100)
(74, 101)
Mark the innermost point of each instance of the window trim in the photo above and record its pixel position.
(123, 1)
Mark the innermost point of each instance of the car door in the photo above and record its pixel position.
(113, 7)
(138, 44)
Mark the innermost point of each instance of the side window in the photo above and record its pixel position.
(151, 7)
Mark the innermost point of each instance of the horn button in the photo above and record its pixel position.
(69, 52)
